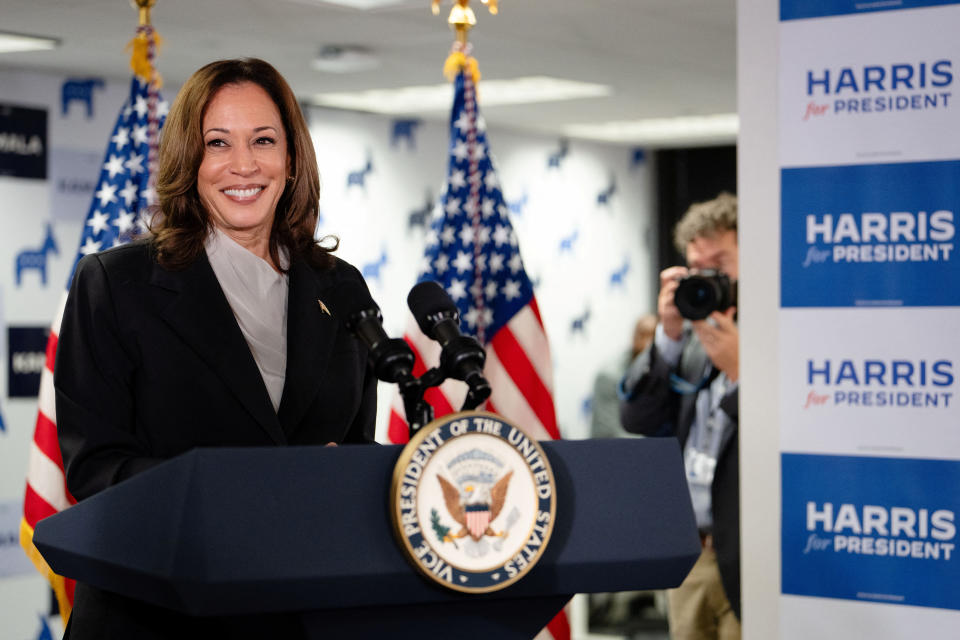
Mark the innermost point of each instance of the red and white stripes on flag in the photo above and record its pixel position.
(472, 251)
(46, 491)
(118, 212)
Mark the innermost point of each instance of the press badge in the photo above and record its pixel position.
(700, 467)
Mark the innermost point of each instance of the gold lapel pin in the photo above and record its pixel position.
(323, 307)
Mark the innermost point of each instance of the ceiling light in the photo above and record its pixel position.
(684, 130)
(420, 99)
(344, 59)
(13, 42)
(357, 4)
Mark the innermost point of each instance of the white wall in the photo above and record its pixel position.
(759, 206)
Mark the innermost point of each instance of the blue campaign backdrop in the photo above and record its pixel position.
(870, 235)
(799, 9)
(873, 529)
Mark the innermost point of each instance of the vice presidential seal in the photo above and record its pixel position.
(473, 502)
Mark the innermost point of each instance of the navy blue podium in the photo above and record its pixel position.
(306, 529)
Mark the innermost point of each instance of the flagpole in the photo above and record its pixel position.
(142, 62)
(144, 6)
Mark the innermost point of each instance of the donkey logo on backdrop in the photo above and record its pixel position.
(371, 270)
(579, 324)
(517, 206)
(603, 198)
(404, 130)
(567, 243)
(555, 159)
(618, 277)
(79, 90)
(37, 258)
(359, 177)
(419, 217)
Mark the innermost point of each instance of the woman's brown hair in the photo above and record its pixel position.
(181, 223)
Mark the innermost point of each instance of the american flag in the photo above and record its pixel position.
(117, 213)
(472, 252)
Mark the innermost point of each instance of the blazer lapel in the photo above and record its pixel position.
(201, 316)
(311, 333)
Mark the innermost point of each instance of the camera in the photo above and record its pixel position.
(700, 294)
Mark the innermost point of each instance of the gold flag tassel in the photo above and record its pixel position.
(144, 45)
(460, 59)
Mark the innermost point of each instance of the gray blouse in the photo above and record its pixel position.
(258, 297)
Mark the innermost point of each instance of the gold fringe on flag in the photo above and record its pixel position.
(57, 582)
(144, 45)
(458, 60)
(141, 57)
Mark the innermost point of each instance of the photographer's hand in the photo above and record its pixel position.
(721, 340)
(670, 316)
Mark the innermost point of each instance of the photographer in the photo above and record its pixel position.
(685, 385)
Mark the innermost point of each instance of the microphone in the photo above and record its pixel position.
(462, 357)
(392, 358)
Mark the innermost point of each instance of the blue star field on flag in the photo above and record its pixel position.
(118, 211)
(471, 245)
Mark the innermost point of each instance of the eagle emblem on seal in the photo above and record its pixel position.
(474, 506)
(473, 502)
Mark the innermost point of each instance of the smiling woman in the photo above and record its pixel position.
(209, 332)
(228, 112)
(245, 165)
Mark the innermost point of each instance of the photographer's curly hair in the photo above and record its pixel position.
(181, 223)
(705, 220)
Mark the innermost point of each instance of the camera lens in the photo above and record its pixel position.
(697, 297)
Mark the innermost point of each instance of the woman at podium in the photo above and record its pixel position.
(215, 330)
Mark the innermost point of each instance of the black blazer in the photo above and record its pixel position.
(151, 363)
(649, 406)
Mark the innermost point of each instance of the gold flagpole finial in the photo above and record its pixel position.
(462, 19)
(144, 6)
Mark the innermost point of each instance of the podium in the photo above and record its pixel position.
(307, 529)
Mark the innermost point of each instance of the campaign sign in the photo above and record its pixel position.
(799, 9)
(871, 88)
(871, 529)
(27, 348)
(870, 235)
(23, 142)
(858, 381)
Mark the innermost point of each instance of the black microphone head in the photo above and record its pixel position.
(429, 302)
(351, 302)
